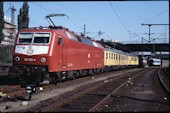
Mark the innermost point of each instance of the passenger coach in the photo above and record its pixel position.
(117, 59)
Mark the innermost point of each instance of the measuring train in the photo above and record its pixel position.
(57, 53)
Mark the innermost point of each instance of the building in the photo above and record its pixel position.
(9, 32)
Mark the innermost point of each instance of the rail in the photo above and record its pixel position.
(164, 80)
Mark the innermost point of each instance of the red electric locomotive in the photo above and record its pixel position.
(55, 52)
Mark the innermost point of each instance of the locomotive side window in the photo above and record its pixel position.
(96, 44)
(86, 41)
(25, 38)
(59, 40)
(72, 36)
(41, 38)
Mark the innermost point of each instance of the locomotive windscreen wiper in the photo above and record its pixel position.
(52, 15)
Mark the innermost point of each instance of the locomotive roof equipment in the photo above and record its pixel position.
(52, 15)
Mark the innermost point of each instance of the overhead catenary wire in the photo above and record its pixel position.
(34, 21)
(46, 9)
(53, 12)
(77, 15)
(121, 15)
(156, 16)
(124, 26)
(160, 32)
(155, 35)
(130, 32)
(80, 17)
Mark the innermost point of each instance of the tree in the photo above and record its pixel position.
(1, 21)
(20, 19)
(23, 17)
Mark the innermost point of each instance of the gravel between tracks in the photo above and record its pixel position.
(68, 89)
(144, 95)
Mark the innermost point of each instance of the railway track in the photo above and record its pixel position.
(14, 91)
(81, 100)
(164, 79)
(19, 93)
(91, 98)
(146, 94)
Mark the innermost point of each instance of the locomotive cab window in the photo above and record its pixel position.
(25, 38)
(36, 38)
(42, 38)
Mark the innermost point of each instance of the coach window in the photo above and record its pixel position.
(112, 55)
(109, 55)
(106, 55)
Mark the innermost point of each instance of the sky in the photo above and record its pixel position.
(117, 20)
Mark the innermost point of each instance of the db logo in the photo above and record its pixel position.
(29, 51)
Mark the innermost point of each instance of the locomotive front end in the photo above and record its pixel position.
(30, 55)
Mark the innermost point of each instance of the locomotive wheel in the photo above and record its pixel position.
(38, 79)
(71, 75)
(54, 78)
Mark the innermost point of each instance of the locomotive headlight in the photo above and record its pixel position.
(17, 59)
(43, 59)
